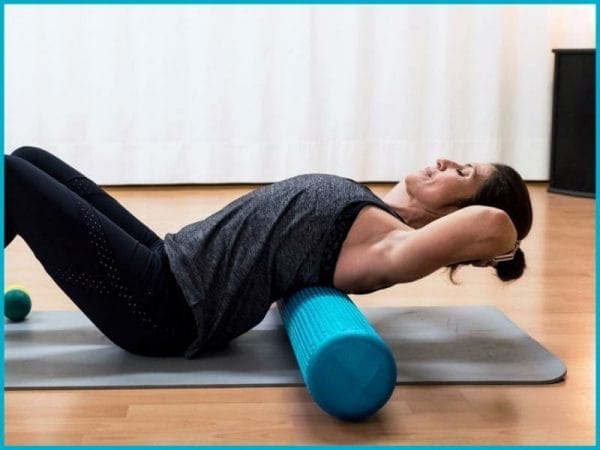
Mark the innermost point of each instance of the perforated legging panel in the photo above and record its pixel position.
(103, 252)
(122, 282)
(83, 186)
(108, 282)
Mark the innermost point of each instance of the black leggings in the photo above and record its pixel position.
(109, 263)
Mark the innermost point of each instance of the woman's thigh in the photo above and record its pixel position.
(124, 287)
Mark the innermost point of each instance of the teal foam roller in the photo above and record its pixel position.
(348, 369)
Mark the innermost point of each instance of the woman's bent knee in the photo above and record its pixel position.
(27, 151)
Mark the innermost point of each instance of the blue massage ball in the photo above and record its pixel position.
(17, 303)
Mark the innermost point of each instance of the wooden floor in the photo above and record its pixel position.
(554, 302)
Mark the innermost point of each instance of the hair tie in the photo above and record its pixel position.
(507, 256)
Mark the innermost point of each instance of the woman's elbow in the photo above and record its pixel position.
(502, 230)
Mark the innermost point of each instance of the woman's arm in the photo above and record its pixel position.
(474, 233)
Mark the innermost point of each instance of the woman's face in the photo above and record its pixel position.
(440, 188)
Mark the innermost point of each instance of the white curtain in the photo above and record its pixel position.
(135, 94)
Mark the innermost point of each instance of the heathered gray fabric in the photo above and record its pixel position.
(261, 247)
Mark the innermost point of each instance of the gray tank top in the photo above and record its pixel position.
(261, 247)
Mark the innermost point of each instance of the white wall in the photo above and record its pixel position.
(229, 93)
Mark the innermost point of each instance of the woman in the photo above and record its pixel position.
(215, 279)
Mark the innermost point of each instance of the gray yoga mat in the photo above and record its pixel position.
(432, 345)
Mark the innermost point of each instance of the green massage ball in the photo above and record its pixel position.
(17, 303)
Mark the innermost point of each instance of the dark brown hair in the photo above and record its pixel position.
(506, 190)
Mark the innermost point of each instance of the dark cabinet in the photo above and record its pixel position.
(573, 141)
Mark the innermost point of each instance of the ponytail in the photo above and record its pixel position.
(513, 269)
